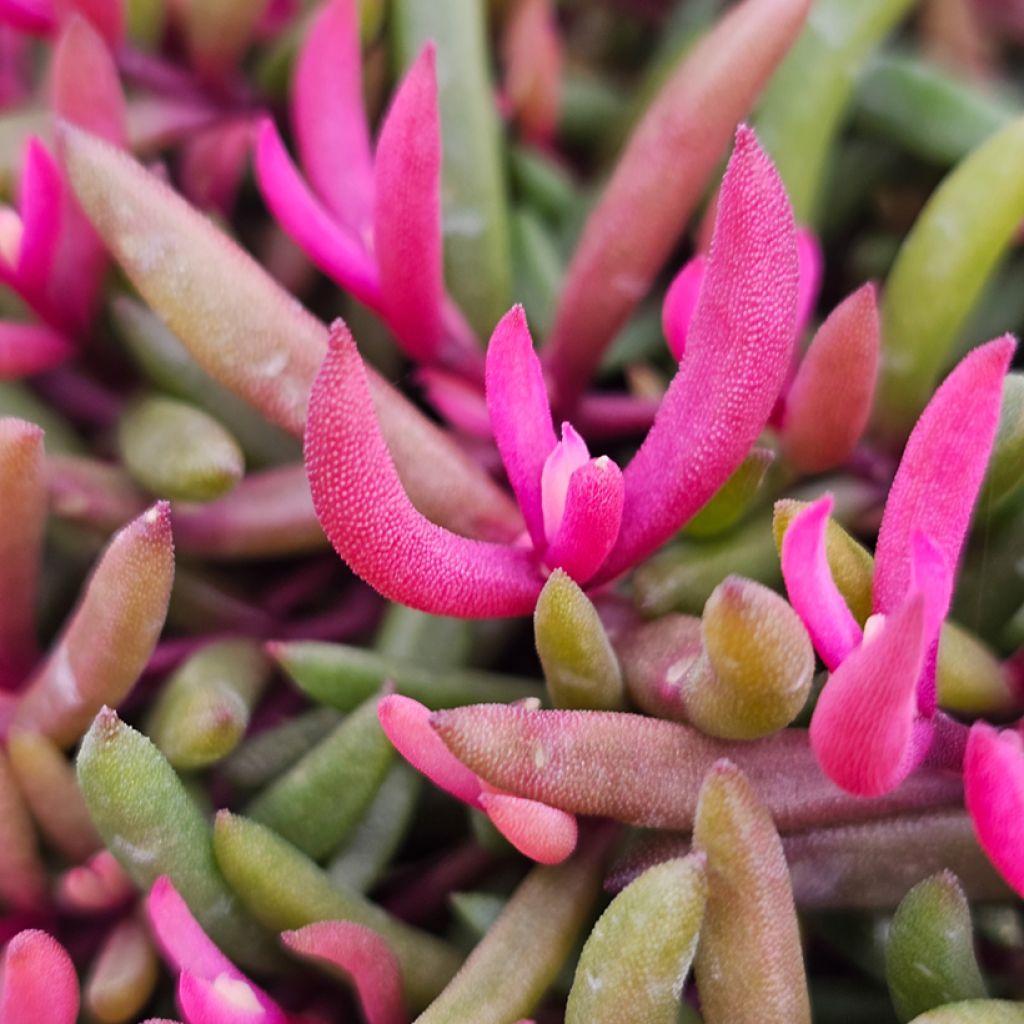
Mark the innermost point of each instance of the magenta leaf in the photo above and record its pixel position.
(738, 355)
(373, 526)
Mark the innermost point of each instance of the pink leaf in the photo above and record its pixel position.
(461, 403)
(226, 999)
(407, 212)
(31, 348)
(517, 400)
(364, 956)
(994, 793)
(182, 940)
(829, 401)
(333, 249)
(37, 981)
(680, 302)
(329, 117)
(41, 194)
(862, 730)
(106, 16)
(941, 470)
(374, 527)
(933, 577)
(406, 723)
(811, 588)
(33, 16)
(738, 355)
(590, 521)
(545, 834)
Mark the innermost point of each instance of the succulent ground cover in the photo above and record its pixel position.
(511, 512)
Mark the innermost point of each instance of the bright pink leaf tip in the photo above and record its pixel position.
(812, 590)
(570, 454)
(338, 253)
(737, 358)
(181, 938)
(517, 400)
(864, 730)
(941, 471)
(545, 834)
(330, 119)
(40, 195)
(590, 520)
(994, 793)
(211, 989)
(680, 303)
(364, 956)
(407, 212)
(37, 981)
(406, 723)
(373, 526)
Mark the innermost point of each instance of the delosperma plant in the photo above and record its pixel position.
(511, 511)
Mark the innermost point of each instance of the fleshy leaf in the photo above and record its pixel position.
(22, 521)
(738, 355)
(863, 726)
(680, 302)
(811, 587)
(37, 981)
(329, 118)
(749, 963)
(994, 793)
(829, 401)
(31, 348)
(407, 212)
(652, 192)
(362, 955)
(373, 525)
(544, 834)
(942, 468)
(929, 955)
(579, 664)
(517, 400)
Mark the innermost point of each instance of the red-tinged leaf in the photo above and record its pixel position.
(587, 762)
(517, 400)
(533, 58)
(86, 87)
(375, 528)
(26, 349)
(213, 165)
(329, 117)
(941, 471)
(106, 16)
(364, 956)
(23, 878)
(590, 521)
(181, 939)
(225, 1000)
(406, 723)
(253, 338)
(811, 261)
(333, 248)
(544, 834)
(652, 193)
(863, 728)
(829, 401)
(812, 589)
(22, 521)
(99, 886)
(407, 212)
(34, 16)
(37, 981)
(738, 354)
(110, 635)
(994, 793)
